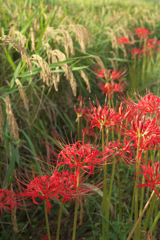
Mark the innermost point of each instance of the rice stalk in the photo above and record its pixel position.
(22, 94)
(12, 121)
(82, 35)
(6, 39)
(83, 75)
(31, 34)
(68, 73)
(47, 76)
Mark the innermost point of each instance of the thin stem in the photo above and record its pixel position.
(140, 217)
(75, 213)
(46, 217)
(136, 189)
(2, 224)
(59, 221)
(153, 227)
(142, 196)
(78, 130)
(119, 195)
(148, 216)
(105, 202)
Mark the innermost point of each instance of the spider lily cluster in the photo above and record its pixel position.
(128, 133)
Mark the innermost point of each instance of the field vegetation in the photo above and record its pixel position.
(79, 120)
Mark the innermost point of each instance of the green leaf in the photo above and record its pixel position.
(32, 150)
(15, 75)
(28, 22)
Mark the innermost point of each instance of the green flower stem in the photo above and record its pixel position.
(119, 195)
(144, 64)
(133, 199)
(136, 189)
(110, 190)
(78, 130)
(112, 178)
(153, 227)
(142, 196)
(105, 206)
(75, 213)
(59, 221)
(138, 73)
(46, 217)
(148, 216)
(140, 217)
(2, 224)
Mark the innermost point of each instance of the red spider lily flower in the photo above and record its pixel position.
(112, 88)
(59, 186)
(106, 88)
(101, 116)
(7, 200)
(135, 51)
(158, 49)
(101, 73)
(113, 75)
(124, 40)
(150, 103)
(45, 237)
(123, 113)
(119, 87)
(149, 235)
(148, 132)
(80, 111)
(82, 157)
(119, 75)
(77, 156)
(143, 33)
(152, 41)
(122, 151)
(40, 187)
(151, 175)
(89, 132)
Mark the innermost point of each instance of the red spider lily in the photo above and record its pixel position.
(82, 157)
(149, 235)
(112, 88)
(151, 175)
(106, 88)
(152, 41)
(78, 156)
(123, 113)
(146, 130)
(59, 186)
(101, 116)
(143, 33)
(101, 73)
(45, 237)
(119, 75)
(122, 151)
(80, 111)
(89, 132)
(124, 40)
(149, 104)
(7, 200)
(113, 75)
(40, 187)
(135, 51)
